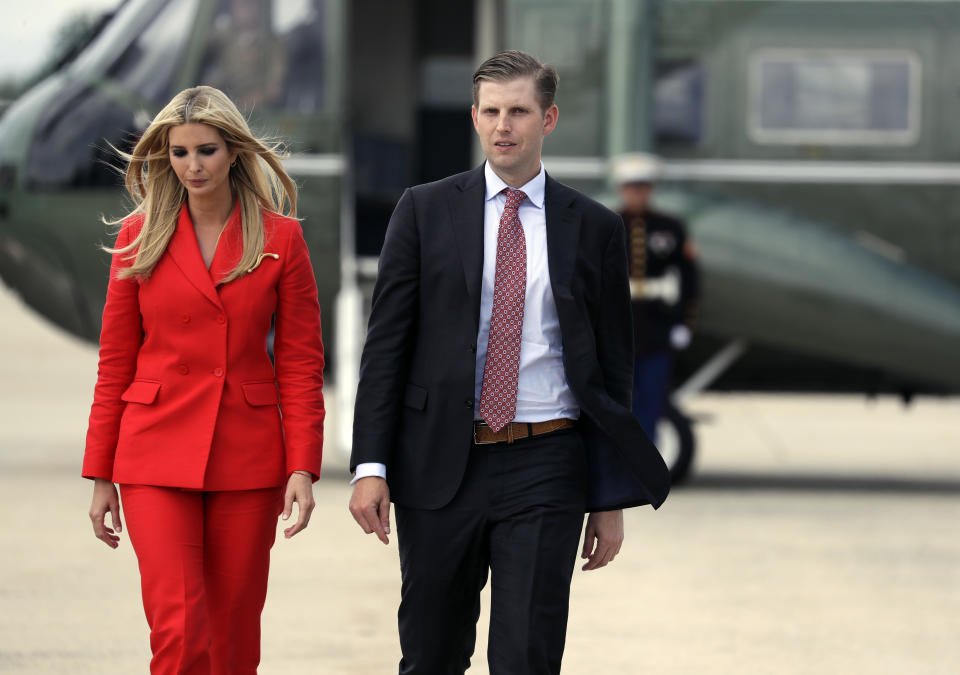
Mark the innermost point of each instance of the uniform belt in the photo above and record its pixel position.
(514, 431)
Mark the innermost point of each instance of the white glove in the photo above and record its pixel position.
(680, 337)
(665, 288)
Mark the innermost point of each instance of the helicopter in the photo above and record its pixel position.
(810, 147)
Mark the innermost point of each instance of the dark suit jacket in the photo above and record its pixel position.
(414, 407)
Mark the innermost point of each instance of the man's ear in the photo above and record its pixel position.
(550, 119)
(473, 115)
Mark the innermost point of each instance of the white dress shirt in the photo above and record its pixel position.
(542, 389)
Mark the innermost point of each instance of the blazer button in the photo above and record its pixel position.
(221, 318)
(183, 368)
(473, 348)
(469, 403)
(218, 372)
(186, 318)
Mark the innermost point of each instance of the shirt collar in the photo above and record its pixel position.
(533, 189)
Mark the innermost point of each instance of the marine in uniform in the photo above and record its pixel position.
(664, 285)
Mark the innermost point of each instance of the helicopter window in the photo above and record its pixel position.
(72, 144)
(268, 54)
(129, 21)
(572, 37)
(678, 103)
(835, 97)
(149, 64)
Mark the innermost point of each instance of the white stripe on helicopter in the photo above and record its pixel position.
(780, 171)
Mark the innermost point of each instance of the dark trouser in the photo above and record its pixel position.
(651, 383)
(519, 512)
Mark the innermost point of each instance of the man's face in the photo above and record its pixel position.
(511, 127)
(634, 196)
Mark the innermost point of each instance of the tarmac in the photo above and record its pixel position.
(820, 534)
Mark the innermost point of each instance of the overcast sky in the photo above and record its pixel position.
(27, 30)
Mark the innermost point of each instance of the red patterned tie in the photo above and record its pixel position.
(498, 393)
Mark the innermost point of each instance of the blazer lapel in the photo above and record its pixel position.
(563, 234)
(185, 252)
(229, 248)
(466, 214)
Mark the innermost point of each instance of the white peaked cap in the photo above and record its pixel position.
(635, 167)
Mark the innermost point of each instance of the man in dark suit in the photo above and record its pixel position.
(494, 398)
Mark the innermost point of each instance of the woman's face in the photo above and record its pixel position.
(200, 158)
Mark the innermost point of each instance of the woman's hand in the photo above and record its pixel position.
(105, 499)
(299, 490)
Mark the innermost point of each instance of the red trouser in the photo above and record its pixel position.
(204, 559)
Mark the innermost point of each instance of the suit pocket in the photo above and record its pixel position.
(260, 393)
(141, 391)
(415, 397)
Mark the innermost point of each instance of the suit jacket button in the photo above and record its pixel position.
(473, 348)
(186, 318)
(183, 368)
(218, 372)
(469, 403)
(221, 318)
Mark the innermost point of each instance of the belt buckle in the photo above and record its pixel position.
(478, 442)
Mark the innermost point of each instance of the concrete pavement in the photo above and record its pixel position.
(820, 535)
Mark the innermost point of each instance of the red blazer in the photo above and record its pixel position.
(186, 395)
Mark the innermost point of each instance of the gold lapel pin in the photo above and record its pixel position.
(275, 256)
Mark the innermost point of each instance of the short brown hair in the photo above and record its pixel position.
(511, 64)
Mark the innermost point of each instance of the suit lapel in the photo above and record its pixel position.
(185, 252)
(466, 214)
(563, 234)
(229, 248)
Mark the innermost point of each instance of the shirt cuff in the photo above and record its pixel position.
(368, 469)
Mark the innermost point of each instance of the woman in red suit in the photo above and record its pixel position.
(186, 416)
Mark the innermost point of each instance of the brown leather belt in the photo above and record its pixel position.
(514, 431)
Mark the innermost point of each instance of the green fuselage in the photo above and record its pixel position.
(812, 147)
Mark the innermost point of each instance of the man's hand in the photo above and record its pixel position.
(606, 529)
(370, 506)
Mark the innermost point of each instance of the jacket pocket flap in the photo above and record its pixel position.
(415, 397)
(261, 393)
(141, 391)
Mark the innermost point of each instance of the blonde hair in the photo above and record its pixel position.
(257, 179)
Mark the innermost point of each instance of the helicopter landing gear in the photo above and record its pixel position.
(675, 438)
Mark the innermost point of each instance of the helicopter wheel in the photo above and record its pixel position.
(676, 442)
